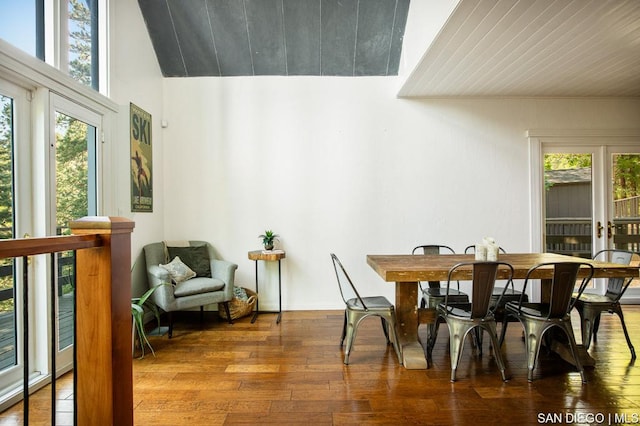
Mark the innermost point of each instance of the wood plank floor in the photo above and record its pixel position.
(263, 373)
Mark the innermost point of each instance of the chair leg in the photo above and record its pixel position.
(493, 334)
(352, 328)
(385, 329)
(201, 314)
(391, 323)
(589, 318)
(432, 335)
(626, 333)
(170, 314)
(566, 326)
(533, 338)
(596, 326)
(457, 333)
(477, 336)
(344, 329)
(226, 311)
(503, 331)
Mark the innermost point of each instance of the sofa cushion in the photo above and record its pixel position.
(197, 285)
(178, 271)
(196, 257)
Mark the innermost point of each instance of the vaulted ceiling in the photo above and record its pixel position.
(276, 37)
(570, 48)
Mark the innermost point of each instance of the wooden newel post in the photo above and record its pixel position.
(104, 369)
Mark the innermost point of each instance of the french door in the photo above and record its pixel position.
(14, 223)
(73, 162)
(591, 200)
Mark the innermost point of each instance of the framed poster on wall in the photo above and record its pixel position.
(141, 160)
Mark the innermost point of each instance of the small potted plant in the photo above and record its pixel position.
(268, 239)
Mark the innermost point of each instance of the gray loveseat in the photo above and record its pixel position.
(213, 283)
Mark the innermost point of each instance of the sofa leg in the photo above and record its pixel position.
(226, 309)
(170, 324)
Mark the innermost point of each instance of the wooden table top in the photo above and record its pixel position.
(412, 268)
(266, 254)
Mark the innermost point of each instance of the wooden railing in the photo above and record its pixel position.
(573, 236)
(103, 372)
(627, 207)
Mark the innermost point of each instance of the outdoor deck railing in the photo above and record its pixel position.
(103, 373)
(573, 236)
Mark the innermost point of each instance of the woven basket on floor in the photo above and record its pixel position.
(239, 308)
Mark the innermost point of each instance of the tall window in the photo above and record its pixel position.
(8, 350)
(79, 41)
(33, 25)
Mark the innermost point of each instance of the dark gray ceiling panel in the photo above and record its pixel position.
(276, 37)
(373, 37)
(230, 36)
(160, 27)
(195, 37)
(266, 36)
(338, 36)
(402, 11)
(302, 36)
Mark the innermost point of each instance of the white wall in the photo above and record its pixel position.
(331, 164)
(341, 165)
(135, 77)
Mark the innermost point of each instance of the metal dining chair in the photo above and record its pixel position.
(358, 308)
(590, 306)
(434, 294)
(500, 296)
(538, 318)
(478, 315)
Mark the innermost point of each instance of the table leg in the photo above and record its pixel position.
(413, 356)
(279, 293)
(255, 314)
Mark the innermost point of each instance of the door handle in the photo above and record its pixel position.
(609, 230)
(599, 229)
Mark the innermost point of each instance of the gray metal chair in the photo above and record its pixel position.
(500, 296)
(538, 318)
(591, 306)
(434, 294)
(508, 293)
(477, 315)
(358, 308)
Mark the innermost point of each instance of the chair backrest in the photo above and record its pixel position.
(432, 249)
(563, 283)
(472, 249)
(616, 286)
(347, 288)
(483, 278)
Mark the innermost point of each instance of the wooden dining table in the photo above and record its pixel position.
(408, 270)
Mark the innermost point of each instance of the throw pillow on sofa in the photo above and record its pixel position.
(178, 271)
(196, 257)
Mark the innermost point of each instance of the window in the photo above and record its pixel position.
(66, 37)
(18, 24)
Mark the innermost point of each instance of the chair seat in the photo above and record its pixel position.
(595, 299)
(510, 295)
(462, 312)
(531, 310)
(497, 291)
(454, 295)
(372, 303)
(197, 285)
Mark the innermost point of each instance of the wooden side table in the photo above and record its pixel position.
(274, 255)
